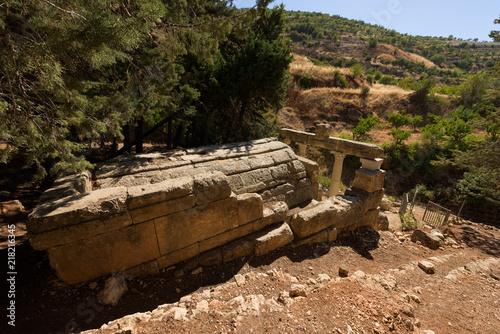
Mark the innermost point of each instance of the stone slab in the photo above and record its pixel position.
(273, 238)
(157, 210)
(250, 208)
(238, 248)
(105, 253)
(211, 187)
(273, 212)
(181, 229)
(159, 192)
(178, 256)
(80, 231)
(76, 209)
(226, 237)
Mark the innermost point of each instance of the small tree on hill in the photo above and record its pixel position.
(364, 125)
(357, 70)
(398, 120)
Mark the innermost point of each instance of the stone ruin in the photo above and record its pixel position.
(144, 212)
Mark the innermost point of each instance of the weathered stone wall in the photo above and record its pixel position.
(142, 213)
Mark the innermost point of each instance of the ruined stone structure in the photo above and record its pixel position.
(141, 213)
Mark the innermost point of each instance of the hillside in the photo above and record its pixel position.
(338, 40)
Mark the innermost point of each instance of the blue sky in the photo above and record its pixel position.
(460, 18)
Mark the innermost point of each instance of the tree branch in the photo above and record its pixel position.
(64, 10)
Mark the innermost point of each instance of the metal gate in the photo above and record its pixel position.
(436, 215)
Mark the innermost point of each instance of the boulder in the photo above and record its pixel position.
(427, 239)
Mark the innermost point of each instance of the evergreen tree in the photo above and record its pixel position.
(75, 72)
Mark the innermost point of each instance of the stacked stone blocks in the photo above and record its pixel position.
(142, 213)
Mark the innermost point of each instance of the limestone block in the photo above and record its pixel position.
(211, 187)
(284, 156)
(427, 239)
(370, 218)
(76, 209)
(250, 208)
(382, 222)
(332, 233)
(313, 239)
(178, 256)
(205, 259)
(148, 268)
(120, 168)
(225, 237)
(105, 253)
(306, 222)
(159, 192)
(280, 172)
(261, 161)
(311, 168)
(233, 166)
(188, 227)
(157, 210)
(273, 238)
(273, 212)
(256, 177)
(364, 200)
(238, 248)
(68, 186)
(369, 180)
(77, 232)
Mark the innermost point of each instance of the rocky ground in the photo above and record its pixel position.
(365, 282)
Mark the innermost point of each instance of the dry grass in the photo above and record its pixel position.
(301, 66)
(408, 55)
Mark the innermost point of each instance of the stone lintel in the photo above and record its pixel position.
(363, 150)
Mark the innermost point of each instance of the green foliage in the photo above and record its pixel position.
(474, 90)
(357, 70)
(79, 72)
(339, 80)
(398, 119)
(408, 221)
(438, 59)
(386, 80)
(400, 135)
(373, 42)
(364, 125)
(456, 128)
(416, 121)
(365, 90)
(306, 82)
(495, 34)
(324, 181)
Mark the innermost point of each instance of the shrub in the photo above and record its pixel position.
(400, 135)
(416, 121)
(377, 75)
(369, 78)
(387, 80)
(357, 70)
(306, 82)
(364, 125)
(398, 119)
(373, 43)
(365, 90)
(339, 80)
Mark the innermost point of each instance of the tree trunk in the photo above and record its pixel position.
(139, 136)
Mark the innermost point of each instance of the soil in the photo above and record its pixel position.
(393, 294)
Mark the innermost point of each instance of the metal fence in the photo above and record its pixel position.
(436, 215)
